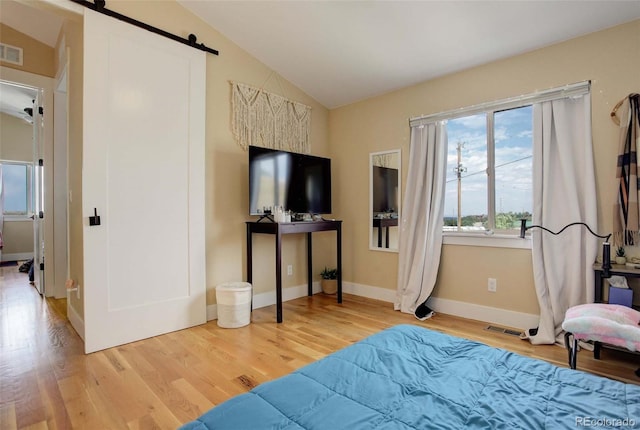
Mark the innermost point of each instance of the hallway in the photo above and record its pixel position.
(37, 348)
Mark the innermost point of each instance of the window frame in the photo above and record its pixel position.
(12, 216)
(489, 237)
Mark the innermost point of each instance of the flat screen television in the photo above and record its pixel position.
(297, 182)
(385, 190)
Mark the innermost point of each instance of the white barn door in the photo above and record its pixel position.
(143, 171)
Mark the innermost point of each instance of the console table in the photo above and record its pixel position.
(616, 269)
(280, 229)
(385, 223)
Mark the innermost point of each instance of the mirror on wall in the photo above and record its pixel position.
(384, 199)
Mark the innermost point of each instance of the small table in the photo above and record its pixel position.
(279, 229)
(616, 269)
(385, 223)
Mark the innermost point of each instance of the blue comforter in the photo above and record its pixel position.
(408, 377)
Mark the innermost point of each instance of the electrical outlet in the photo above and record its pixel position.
(289, 270)
(492, 284)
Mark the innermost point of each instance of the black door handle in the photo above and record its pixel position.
(94, 220)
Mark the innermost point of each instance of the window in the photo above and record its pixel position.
(16, 182)
(489, 171)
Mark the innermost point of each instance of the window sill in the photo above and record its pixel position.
(482, 239)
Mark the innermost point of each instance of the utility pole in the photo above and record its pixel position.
(459, 171)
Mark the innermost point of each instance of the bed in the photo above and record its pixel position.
(409, 377)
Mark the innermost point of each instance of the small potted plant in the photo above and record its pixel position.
(620, 255)
(329, 281)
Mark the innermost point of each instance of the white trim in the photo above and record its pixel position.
(76, 321)
(472, 311)
(488, 314)
(17, 256)
(495, 241)
(570, 90)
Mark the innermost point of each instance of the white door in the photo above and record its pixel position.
(143, 172)
(38, 195)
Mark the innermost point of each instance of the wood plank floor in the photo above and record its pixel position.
(46, 382)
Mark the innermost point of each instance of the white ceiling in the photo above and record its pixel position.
(340, 52)
(344, 51)
(37, 23)
(14, 99)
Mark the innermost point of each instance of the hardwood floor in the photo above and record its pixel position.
(46, 381)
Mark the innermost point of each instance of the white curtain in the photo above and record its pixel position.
(564, 192)
(420, 239)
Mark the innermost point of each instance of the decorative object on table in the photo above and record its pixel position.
(265, 119)
(619, 292)
(627, 222)
(620, 255)
(329, 281)
(606, 247)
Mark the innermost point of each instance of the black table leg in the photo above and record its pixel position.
(339, 258)
(309, 266)
(279, 277)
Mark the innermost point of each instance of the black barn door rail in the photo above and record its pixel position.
(99, 6)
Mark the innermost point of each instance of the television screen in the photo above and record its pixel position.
(296, 182)
(385, 190)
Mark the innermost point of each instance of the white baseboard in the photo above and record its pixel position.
(472, 311)
(76, 321)
(488, 314)
(18, 256)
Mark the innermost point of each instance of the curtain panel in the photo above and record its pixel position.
(564, 192)
(420, 238)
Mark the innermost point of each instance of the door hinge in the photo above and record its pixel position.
(41, 266)
(41, 110)
(41, 214)
(40, 162)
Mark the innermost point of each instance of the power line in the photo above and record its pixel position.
(485, 170)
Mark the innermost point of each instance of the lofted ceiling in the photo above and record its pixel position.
(340, 52)
(38, 24)
(343, 51)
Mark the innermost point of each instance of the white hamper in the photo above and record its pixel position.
(234, 304)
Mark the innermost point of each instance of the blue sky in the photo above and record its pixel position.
(15, 185)
(513, 137)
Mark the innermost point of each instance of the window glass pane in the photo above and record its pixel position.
(513, 134)
(14, 177)
(466, 188)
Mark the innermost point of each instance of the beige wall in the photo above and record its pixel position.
(226, 163)
(610, 59)
(38, 58)
(16, 139)
(16, 145)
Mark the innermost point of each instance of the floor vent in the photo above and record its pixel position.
(503, 330)
(11, 54)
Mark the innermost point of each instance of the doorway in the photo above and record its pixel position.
(42, 186)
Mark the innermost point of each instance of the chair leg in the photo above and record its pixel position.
(572, 349)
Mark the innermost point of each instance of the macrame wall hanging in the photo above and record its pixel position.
(382, 160)
(265, 119)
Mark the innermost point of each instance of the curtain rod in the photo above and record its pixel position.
(99, 6)
(569, 90)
